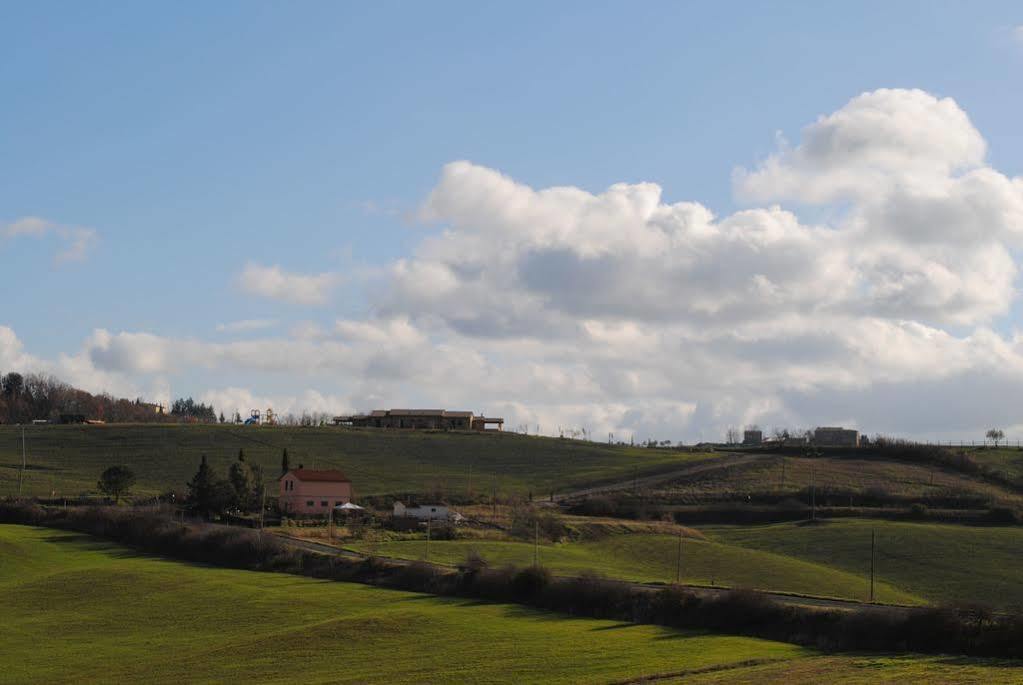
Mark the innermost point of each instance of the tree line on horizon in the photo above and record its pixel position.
(38, 397)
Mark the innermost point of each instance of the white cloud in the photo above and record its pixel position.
(75, 241)
(880, 138)
(275, 283)
(623, 312)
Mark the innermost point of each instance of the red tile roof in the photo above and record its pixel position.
(309, 475)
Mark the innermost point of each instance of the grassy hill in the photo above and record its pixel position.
(914, 562)
(83, 610)
(942, 563)
(846, 481)
(67, 460)
(1007, 461)
(652, 558)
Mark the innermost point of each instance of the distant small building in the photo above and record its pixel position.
(836, 436)
(306, 492)
(422, 512)
(422, 419)
(752, 437)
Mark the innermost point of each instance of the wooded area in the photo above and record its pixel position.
(36, 397)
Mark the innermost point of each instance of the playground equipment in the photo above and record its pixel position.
(254, 418)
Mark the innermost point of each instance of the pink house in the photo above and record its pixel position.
(306, 492)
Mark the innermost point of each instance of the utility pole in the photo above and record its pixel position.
(872, 531)
(678, 561)
(24, 462)
(536, 543)
(262, 507)
(813, 492)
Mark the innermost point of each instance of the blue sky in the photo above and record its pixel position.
(197, 138)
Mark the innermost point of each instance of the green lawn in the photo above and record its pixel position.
(940, 562)
(652, 558)
(78, 609)
(67, 460)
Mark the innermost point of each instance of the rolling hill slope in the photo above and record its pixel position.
(68, 460)
(82, 610)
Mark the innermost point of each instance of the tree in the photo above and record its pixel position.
(208, 493)
(732, 435)
(244, 483)
(285, 463)
(995, 435)
(221, 417)
(116, 482)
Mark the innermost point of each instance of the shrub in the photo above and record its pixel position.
(529, 582)
(526, 522)
(918, 511)
(601, 505)
(1002, 515)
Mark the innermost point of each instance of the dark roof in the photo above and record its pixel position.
(309, 475)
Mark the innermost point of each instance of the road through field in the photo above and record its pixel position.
(656, 479)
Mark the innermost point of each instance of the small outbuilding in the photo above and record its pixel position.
(422, 512)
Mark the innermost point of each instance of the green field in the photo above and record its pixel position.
(1007, 461)
(78, 609)
(67, 460)
(940, 562)
(857, 479)
(914, 562)
(653, 558)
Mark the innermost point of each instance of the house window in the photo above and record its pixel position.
(323, 503)
(310, 503)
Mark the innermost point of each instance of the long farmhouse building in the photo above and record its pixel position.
(426, 419)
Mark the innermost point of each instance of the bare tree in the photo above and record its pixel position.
(995, 435)
(732, 435)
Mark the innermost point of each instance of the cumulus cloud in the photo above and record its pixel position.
(622, 311)
(75, 241)
(878, 139)
(277, 284)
